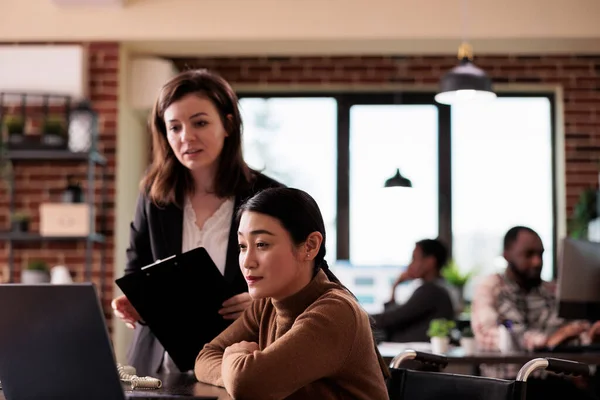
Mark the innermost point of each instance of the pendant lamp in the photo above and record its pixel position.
(398, 181)
(465, 82)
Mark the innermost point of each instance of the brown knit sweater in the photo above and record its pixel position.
(315, 344)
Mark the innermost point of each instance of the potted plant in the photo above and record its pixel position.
(451, 272)
(5, 163)
(54, 132)
(439, 332)
(583, 213)
(15, 127)
(37, 271)
(453, 275)
(467, 340)
(20, 221)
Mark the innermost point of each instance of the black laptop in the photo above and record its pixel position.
(54, 344)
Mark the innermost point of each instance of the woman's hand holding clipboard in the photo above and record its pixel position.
(232, 308)
(123, 309)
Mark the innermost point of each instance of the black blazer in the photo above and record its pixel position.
(156, 233)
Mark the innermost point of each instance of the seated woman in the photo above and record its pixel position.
(304, 336)
(409, 322)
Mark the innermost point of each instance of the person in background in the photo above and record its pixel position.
(189, 194)
(305, 336)
(410, 321)
(521, 299)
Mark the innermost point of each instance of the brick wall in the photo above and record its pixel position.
(578, 75)
(42, 181)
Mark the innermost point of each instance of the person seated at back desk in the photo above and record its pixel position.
(305, 335)
(523, 298)
(410, 321)
(520, 296)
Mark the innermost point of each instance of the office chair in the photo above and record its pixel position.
(405, 384)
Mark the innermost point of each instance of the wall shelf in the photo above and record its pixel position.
(24, 151)
(34, 237)
(54, 155)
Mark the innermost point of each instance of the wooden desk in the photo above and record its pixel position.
(180, 386)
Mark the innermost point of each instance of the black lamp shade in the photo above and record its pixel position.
(465, 82)
(398, 181)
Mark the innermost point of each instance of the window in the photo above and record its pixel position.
(385, 223)
(501, 177)
(476, 170)
(293, 140)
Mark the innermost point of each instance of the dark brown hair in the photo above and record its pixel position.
(436, 249)
(167, 180)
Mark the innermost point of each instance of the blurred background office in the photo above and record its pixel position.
(354, 83)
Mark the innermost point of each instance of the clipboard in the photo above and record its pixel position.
(179, 298)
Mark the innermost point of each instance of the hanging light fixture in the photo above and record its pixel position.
(398, 181)
(465, 82)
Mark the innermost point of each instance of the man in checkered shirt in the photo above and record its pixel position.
(521, 297)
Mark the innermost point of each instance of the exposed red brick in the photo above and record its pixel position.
(44, 181)
(578, 75)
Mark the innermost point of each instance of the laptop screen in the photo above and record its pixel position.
(54, 344)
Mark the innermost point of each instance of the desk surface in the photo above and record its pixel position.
(180, 386)
(185, 386)
(456, 356)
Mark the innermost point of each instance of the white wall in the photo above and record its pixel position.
(132, 155)
(61, 69)
(147, 75)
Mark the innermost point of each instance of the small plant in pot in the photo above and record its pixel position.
(15, 128)
(20, 221)
(584, 211)
(467, 341)
(37, 271)
(54, 132)
(439, 332)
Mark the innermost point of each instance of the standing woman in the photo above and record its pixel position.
(189, 194)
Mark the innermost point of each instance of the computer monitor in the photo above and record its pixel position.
(579, 279)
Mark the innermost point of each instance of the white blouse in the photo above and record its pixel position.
(214, 237)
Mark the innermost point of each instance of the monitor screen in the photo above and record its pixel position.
(579, 279)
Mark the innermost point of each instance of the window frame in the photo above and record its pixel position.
(347, 99)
